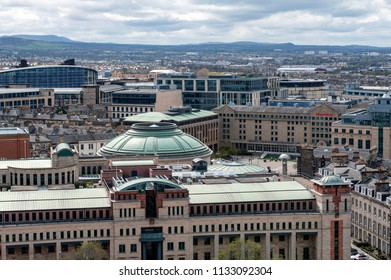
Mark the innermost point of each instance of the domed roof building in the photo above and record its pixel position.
(161, 140)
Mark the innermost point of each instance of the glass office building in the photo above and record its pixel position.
(209, 92)
(58, 76)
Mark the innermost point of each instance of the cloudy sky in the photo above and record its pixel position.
(322, 22)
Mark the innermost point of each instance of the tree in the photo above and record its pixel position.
(241, 250)
(90, 250)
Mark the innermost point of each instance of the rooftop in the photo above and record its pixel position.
(157, 117)
(12, 131)
(54, 199)
(158, 139)
(249, 192)
(26, 163)
(331, 181)
(237, 168)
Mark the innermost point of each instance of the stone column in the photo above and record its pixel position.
(267, 245)
(31, 251)
(58, 250)
(319, 247)
(3, 252)
(216, 247)
(293, 247)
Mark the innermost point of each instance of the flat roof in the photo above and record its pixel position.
(17, 90)
(133, 162)
(12, 131)
(54, 199)
(248, 192)
(26, 163)
(162, 117)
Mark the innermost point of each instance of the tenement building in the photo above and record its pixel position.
(152, 218)
(371, 213)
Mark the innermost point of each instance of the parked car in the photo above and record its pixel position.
(353, 251)
(361, 256)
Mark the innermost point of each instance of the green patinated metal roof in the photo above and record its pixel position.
(331, 181)
(157, 117)
(255, 192)
(238, 168)
(54, 199)
(64, 149)
(162, 139)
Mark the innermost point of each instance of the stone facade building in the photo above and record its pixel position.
(152, 218)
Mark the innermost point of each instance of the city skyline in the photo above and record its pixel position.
(182, 22)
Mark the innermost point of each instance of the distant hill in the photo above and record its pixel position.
(46, 38)
(42, 43)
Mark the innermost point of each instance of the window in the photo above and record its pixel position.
(133, 248)
(64, 248)
(360, 143)
(25, 250)
(121, 248)
(170, 246)
(181, 246)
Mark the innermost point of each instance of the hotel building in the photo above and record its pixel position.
(276, 129)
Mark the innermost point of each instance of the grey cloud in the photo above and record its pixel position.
(219, 20)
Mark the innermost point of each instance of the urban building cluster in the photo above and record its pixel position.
(131, 163)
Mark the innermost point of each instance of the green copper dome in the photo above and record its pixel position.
(162, 139)
(332, 180)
